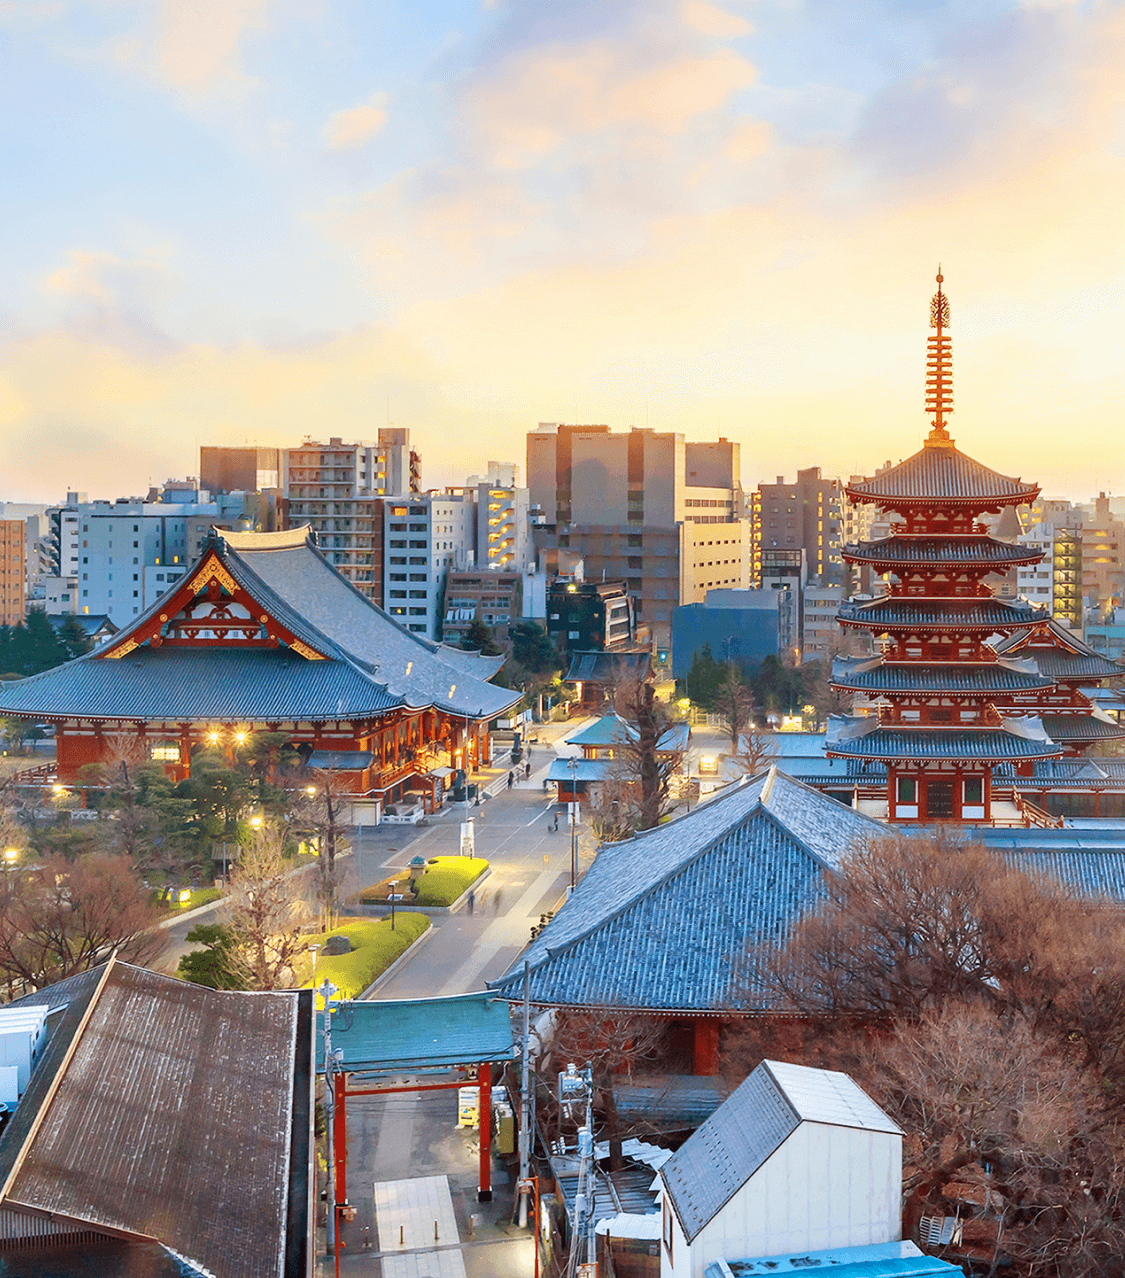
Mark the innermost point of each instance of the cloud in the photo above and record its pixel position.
(356, 125)
(712, 21)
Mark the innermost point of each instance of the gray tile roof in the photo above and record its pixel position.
(980, 677)
(938, 473)
(608, 667)
(1059, 653)
(927, 551)
(870, 741)
(1065, 728)
(714, 1163)
(961, 614)
(631, 935)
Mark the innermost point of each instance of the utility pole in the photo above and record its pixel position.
(327, 989)
(525, 1100)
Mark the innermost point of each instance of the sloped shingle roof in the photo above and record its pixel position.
(941, 473)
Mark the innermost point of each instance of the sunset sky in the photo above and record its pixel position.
(231, 220)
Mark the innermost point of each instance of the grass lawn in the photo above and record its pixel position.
(441, 882)
(199, 896)
(374, 948)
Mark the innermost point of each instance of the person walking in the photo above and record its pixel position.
(511, 778)
(496, 898)
(527, 771)
(472, 900)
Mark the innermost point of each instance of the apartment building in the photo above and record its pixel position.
(503, 520)
(336, 487)
(425, 535)
(803, 515)
(12, 569)
(1103, 554)
(661, 513)
(820, 631)
(1055, 582)
(239, 469)
(493, 596)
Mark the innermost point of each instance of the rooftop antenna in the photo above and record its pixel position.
(939, 367)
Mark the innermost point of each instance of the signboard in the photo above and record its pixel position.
(468, 839)
(468, 1106)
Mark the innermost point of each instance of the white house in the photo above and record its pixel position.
(796, 1160)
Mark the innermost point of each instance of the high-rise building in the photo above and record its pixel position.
(12, 561)
(425, 535)
(1055, 582)
(804, 515)
(503, 533)
(336, 488)
(239, 469)
(647, 507)
(1103, 554)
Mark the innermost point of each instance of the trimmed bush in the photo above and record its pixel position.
(374, 948)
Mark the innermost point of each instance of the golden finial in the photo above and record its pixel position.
(939, 366)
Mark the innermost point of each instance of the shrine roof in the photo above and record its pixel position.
(938, 551)
(1067, 728)
(939, 677)
(867, 739)
(187, 685)
(939, 614)
(940, 473)
(1059, 653)
(347, 657)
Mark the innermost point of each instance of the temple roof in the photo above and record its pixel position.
(896, 613)
(1059, 653)
(908, 551)
(334, 653)
(940, 474)
(1022, 738)
(755, 853)
(983, 677)
(1068, 729)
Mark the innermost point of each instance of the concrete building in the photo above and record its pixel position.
(820, 631)
(584, 616)
(503, 521)
(492, 596)
(804, 515)
(1103, 554)
(239, 469)
(336, 488)
(12, 571)
(425, 536)
(662, 513)
(737, 625)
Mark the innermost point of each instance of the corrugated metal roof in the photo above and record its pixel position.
(630, 937)
(185, 685)
(719, 1158)
(891, 551)
(879, 1260)
(941, 473)
(962, 614)
(463, 1029)
(941, 743)
(165, 1081)
(671, 1102)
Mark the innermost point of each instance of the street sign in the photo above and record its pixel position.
(468, 843)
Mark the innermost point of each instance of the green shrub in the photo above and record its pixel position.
(446, 877)
(374, 948)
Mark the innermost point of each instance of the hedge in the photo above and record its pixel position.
(374, 948)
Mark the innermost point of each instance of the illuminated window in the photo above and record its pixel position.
(164, 753)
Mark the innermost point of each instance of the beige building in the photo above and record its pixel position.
(649, 507)
(1103, 554)
(12, 535)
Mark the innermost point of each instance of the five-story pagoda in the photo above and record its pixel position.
(937, 730)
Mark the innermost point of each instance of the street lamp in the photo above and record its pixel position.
(572, 764)
(391, 898)
(314, 949)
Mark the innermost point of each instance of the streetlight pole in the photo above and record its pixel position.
(328, 989)
(391, 896)
(572, 764)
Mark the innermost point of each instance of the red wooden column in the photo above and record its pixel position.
(484, 1192)
(706, 1047)
(340, 1137)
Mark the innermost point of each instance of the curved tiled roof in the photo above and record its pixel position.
(939, 551)
(1066, 728)
(984, 677)
(939, 614)
(986, 744)
(939, 473)
(1060, 654)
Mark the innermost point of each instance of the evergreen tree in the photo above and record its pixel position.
(532, 649)
(478, 638)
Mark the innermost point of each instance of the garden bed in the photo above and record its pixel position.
(444, 879)
(197, 897)
(374, 948)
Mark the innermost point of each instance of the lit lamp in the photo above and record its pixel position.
(256, 821)
(240, 738)
(212, 737)
(391, 898)
(11, 856)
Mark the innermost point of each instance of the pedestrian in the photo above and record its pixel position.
(472, 900)
(511, 778)
(555, 824)
(527, 770)
(496, 896)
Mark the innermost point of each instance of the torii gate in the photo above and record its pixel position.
(377, 1039)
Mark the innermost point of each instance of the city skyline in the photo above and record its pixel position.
(280, 220)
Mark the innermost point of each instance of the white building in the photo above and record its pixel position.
(796, 1160)
(424, 536)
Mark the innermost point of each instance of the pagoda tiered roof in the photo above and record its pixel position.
(983, 678)
(262, 628)
(897, 612)
(907, 551)
(1018, 739)
(939, 474)
(1060, 654)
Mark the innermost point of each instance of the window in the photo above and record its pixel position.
(907, 790)
(974, 791)
(668, 1234)
(164, 752)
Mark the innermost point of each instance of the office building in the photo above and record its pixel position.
(804, 515)
(12, 569)
(586, 616)
(336, 487)
(1103, 554)
(233, 470)
(663, 514)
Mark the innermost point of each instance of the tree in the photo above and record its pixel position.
(267, 914)
(75, 641)
(733, 701)
(63, 917)
(532, 649)
(754, 752)
(32, 646)
(703, 678)
(215, 965)
(317, 809)
(645, 762)
(479, 638)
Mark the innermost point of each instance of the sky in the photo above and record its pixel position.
(229, 221)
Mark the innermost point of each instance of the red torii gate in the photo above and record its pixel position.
(387, 1038)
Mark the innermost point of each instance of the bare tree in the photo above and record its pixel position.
(317, 807)
(734, 703)
(755, 751)
(63, 917)
(647, 763)
(267, 914)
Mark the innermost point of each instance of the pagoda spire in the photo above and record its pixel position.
(939, 367)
